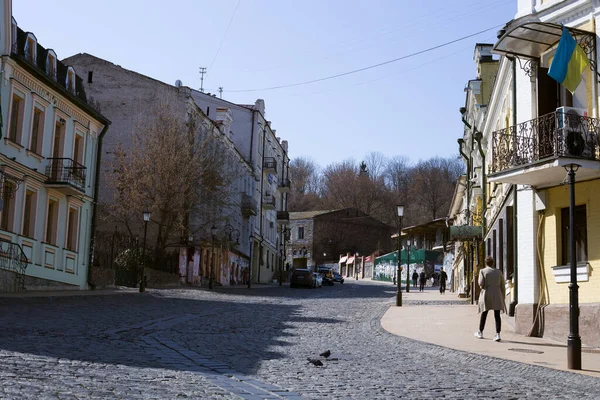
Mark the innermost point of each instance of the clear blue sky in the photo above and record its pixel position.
(409, 107)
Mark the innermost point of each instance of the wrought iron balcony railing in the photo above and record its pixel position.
(66, 171)
(249, 205)
(12, 258)
(270, 163)
(284, 184)
(553, 135)
(269, 201)
(283, 216)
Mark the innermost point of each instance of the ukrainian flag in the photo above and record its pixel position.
(569, 62)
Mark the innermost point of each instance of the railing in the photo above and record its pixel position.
(12, 258)
(283, 216)
(66, 170)
(269, 200)
(557, 134)
(270, 163)
(249, 206)
(284, 183)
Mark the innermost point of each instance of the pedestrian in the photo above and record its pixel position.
(415, 276)
(493, 292)
(443, 279)
(421, 281)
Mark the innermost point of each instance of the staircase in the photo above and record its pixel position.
(12, 258)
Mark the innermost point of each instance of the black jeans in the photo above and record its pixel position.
(496, 317)
(442, 286)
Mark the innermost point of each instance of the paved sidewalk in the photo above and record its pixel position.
(452, 325)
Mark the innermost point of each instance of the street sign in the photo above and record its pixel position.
(465, 232)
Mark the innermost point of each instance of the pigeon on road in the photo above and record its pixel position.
(315, 362)
(325, 354)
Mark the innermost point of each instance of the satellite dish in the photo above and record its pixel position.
(178, 83)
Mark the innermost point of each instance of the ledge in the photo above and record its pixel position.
(562, 273)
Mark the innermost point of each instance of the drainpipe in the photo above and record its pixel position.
(478, 136)
(95, 202)
(461, 143)
(513, 304)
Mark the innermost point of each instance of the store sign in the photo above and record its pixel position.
(465, 232)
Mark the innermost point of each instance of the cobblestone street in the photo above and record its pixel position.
(251, 344)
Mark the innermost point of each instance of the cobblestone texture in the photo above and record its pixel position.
(250, 344)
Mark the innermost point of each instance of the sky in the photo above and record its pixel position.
(407, 107)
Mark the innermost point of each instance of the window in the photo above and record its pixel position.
(300, 232)
(51, 222)
(29, 214)
(72, 229)
(30, 48)
(51, 64)
(8, 207)
(37, 130)
(59, 133)
(70, 83)
(16, 118)
(580, 235)
(78, 149)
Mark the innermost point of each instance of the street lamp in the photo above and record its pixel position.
(213, 232)
(146, 215)
(399, 287)
(574, 340)
(407, 262)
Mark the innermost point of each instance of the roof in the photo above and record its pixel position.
(307, 214)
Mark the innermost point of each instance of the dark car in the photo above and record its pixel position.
(327, 274)
(338, 278)
(302, 277)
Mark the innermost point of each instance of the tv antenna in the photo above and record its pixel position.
(202, 72)
(220, 92)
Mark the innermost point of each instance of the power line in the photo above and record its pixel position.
(370, 66)
(224, 36)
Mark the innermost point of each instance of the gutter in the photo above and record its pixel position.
(95, 201)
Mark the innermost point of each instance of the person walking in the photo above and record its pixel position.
(421, 281)
(493, 292)
(443, 279)
(415, 276)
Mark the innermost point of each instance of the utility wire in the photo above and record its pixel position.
(224, 36)
(370, 66)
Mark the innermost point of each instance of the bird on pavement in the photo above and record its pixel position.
(325, 354)
(315, 362)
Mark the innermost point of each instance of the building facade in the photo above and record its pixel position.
(532, 134)
(49, 159)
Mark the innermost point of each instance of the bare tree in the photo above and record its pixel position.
(376, 164)
(174, 166)
(304, 193)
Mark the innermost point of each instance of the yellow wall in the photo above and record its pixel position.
(556, 198)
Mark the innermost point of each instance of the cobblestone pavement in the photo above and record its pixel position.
(250, 344)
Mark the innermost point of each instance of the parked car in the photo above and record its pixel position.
(338, 278)
(317, 279)
(327, 274)
(302, 277)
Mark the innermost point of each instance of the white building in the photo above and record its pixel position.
(49, 155)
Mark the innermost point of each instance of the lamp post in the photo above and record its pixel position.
(574, 340)
(399, 287)
(213, 232)
(146, 215)
(407, 263)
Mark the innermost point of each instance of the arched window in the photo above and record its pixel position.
(51, 64)
(70, 82)
(31, 48)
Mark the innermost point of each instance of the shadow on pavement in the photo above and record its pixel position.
(133, 329)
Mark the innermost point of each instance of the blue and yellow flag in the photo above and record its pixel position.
(569, 62)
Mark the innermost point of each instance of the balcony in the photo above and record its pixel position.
(12, 258)
(283, 217)
(248, 206)
(284, 185)
(270, 165)
(268, 202)
(65, 173)
(535, 152)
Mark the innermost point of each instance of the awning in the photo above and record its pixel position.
(350, 260)
(532, 39)
(343, 260)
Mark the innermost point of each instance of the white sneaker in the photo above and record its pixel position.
(479, 335)
(497, 337)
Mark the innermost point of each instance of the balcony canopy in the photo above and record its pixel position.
(532, 39)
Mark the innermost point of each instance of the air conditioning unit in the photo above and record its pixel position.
(572, 131)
